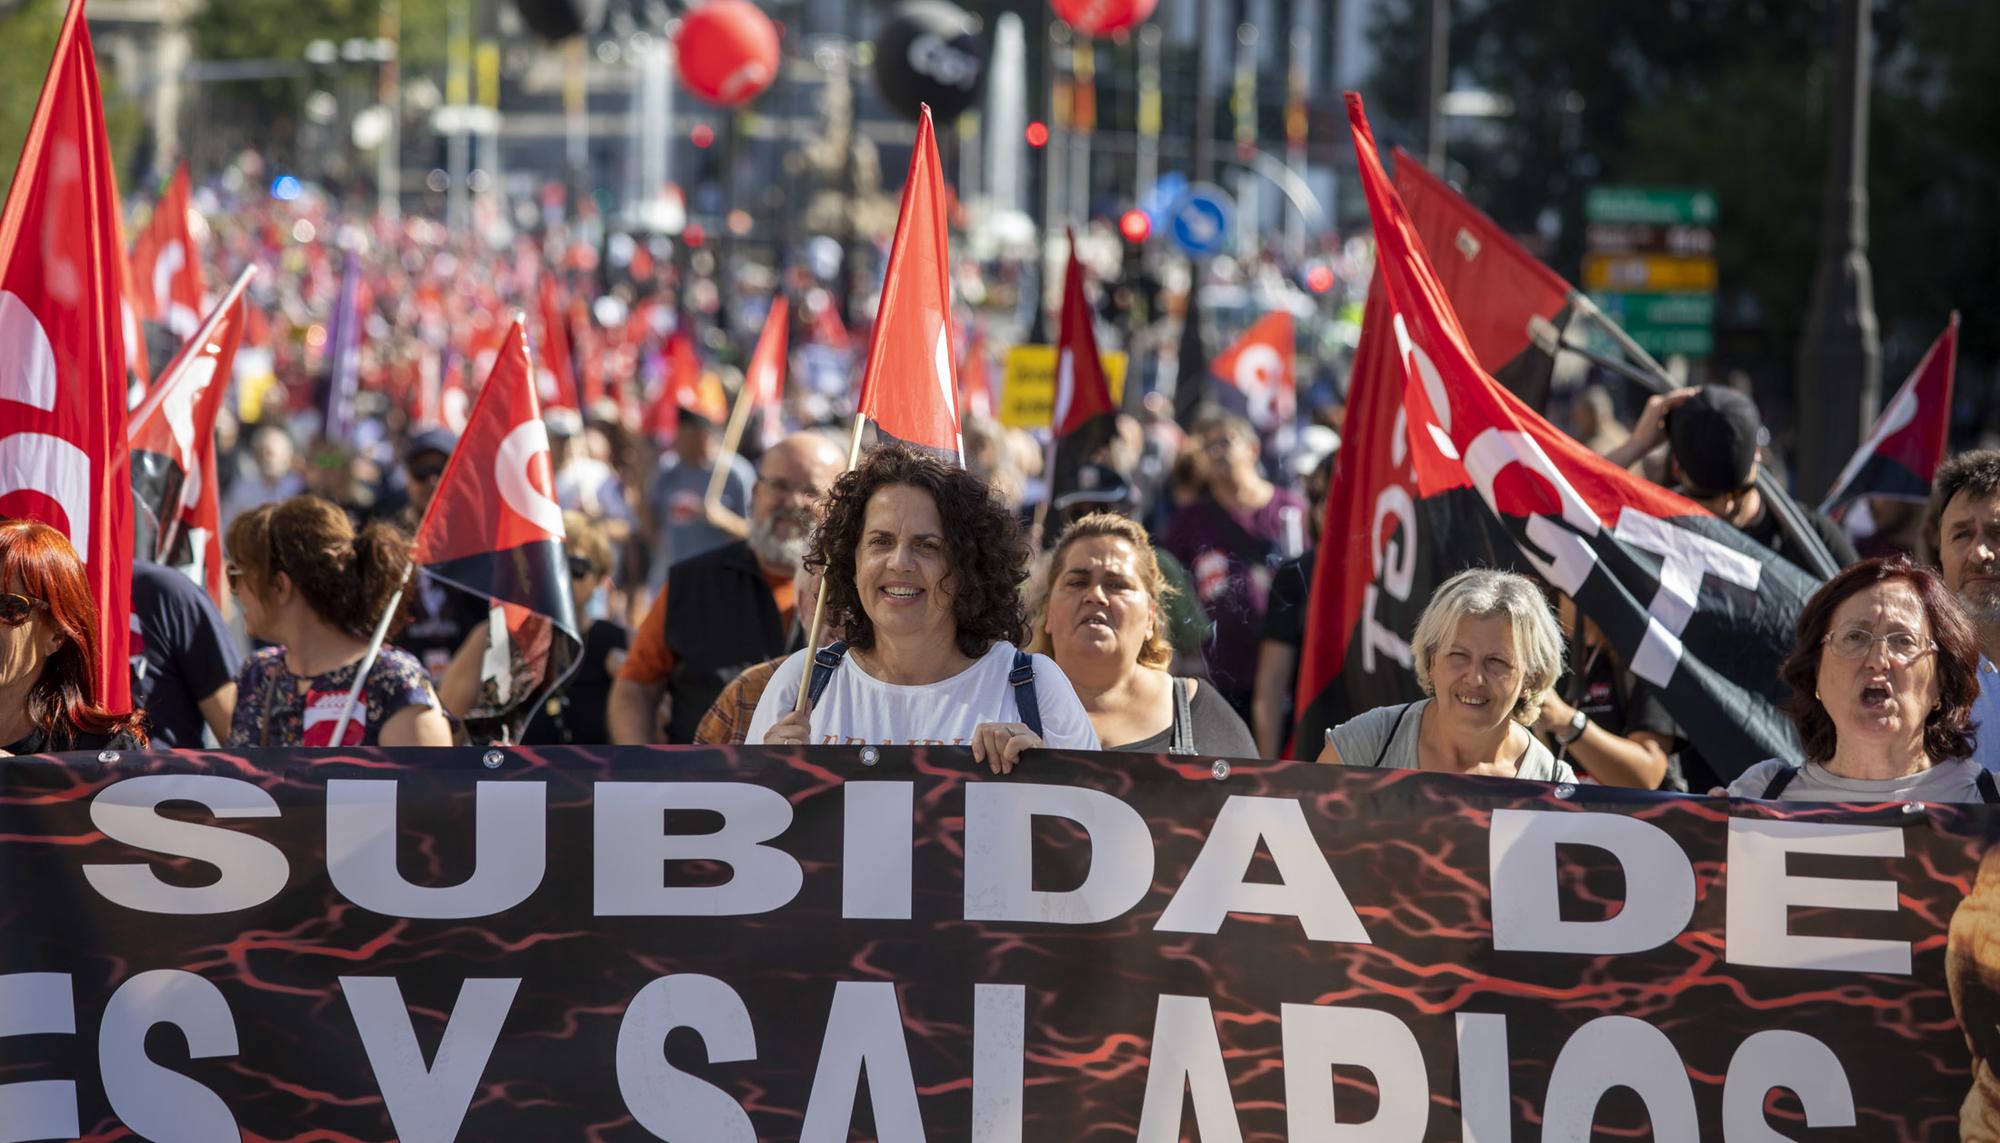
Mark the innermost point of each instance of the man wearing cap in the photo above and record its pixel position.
(683, 527)
(1962, 526)
(441, 616)
(1712, 434)
(730, 607)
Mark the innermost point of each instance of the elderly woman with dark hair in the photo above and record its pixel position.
(48, 650)
(1883, 676)
(1487, 650)
(922, 568)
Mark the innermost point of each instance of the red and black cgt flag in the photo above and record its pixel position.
(1691, 605)
(494, 529)
(172, 440)
(1084, 418)
(1903, 450)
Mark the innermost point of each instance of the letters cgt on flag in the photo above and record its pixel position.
(1691, 605)
(62, 349)
(494, 529)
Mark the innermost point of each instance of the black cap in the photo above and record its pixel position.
(1096, 484)
(1713, 436)
(439, 441)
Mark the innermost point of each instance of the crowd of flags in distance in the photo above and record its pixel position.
(1446, 460)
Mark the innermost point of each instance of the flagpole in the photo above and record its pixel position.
(803, 702)
(732, 439)
(368, 660)
(207, 330)
(1624, 339)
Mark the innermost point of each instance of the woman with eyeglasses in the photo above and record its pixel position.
(1883, 675)
(575, 713)
(48, 650)
(312, 585)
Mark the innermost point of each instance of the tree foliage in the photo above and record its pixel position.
(1732, 94)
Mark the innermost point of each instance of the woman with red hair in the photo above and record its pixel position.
(48, 650)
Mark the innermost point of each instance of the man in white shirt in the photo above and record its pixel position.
(1962, 525)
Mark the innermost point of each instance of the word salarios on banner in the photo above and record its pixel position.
(707, 945)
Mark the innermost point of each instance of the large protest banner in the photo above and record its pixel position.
(710, 945)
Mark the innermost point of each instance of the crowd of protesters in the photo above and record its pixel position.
(1160, 605)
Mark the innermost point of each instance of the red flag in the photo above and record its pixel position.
(764, 379)
(1082, 418)
(62, 349)
(138, 369)
(172, 439)
(975, 378)
(166, 266)
(494, 529)
(586, 353)
(555, 346)
(1902, 451)
(1497, 288)
(1692, 606)
(910, 389)
(1261, 366)
(681, 389)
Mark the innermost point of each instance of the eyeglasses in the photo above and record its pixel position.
(580, 566)
(234, 575)
(15, 609)
(1856, 642)
(781, 487)
(421, 473)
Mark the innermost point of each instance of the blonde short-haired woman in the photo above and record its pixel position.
(1486, 651)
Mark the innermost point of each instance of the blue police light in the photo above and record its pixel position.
(285, 188)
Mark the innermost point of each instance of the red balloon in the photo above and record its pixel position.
(1103, 17)
(728, 51)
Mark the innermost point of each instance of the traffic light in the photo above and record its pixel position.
(1135, 226)
(1037, 134)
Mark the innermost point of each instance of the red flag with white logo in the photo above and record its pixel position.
(910, 389)
(764, 379)
(1261, 366)
(166, 265)
(1083, 418)
(1903, 450)
(172, 440)
(494, 529)
(62, 348)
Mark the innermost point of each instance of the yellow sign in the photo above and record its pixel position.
(1028, 394)
(1647, 273)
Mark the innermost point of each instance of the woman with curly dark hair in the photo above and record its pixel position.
(1883, 676)
(922, 569)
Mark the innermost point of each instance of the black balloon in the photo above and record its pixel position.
(930, 52)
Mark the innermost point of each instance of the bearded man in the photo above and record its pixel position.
(1962, 526)
(730, 608)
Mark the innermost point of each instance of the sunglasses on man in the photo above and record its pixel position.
(15, 608)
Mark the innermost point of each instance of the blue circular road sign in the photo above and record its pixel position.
(1201, 221)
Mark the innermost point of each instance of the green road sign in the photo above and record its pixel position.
(1664, 323)
(1657, 206)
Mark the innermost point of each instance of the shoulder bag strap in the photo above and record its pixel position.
(1181, 739)
(823, 665)
(1022, 679)
(1989, 790)
(1384, 752)
(1779, 781)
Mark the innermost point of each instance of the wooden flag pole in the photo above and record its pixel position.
(803, 702)
(732, 439)
(368, 660)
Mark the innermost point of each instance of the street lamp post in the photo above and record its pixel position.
(1840, 353)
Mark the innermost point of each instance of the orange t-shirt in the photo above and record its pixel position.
(651, 662)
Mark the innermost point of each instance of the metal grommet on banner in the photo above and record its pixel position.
(1914, 807)
(1566, 790)
(107, 757)
(870, 756)
(493, 759)
(1220, 769)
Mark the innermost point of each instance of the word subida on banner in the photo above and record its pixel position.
(704, 945)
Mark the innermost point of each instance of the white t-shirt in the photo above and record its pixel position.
(1953, 781)
(858, 709)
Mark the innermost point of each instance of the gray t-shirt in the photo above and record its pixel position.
(1955, 781)
(1360, 741)
(675, 499)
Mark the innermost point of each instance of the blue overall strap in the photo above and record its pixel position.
(823, 664)
(1989, 791)
(1022, 679)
